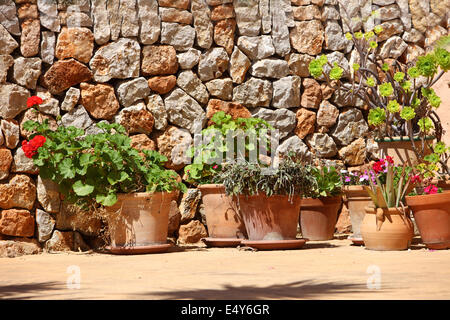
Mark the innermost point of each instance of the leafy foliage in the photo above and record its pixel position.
(96, 167)
(328, 182)
(209, 155)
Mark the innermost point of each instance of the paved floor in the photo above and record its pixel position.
(321, 270)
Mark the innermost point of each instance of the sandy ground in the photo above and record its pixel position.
(321, 270)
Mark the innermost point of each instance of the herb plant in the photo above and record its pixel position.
(327, 182)
(95, 168)
(210, 155)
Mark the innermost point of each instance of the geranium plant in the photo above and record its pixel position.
(93, 169)
(209, 156)
(327, 182)
(401, 99)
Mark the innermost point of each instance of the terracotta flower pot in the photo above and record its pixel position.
(386, 229)
(270, 218)
(401, 150)
(432, 215)
(139, 219)
(222, 215)
(318, 217)
(357, 199)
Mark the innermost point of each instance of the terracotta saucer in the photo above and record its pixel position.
(157, 248)
(438, 245)
(222, 242)
(356, 241)
(274, 244)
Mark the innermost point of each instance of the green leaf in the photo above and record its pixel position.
(67, 169)
(82, 189)
(106, 200)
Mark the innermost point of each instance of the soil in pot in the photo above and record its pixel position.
(386, 229)
(138, 222)
(271, 218)
(225, 224)
(318, 217)
(432, 215)
(357, 199)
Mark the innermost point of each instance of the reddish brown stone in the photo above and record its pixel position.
(191, 232)
(142, 142)
(175, 15)
(99, 100)
(224, 34)
(180, 4)
(18, 223)
(75, 43)
(225, 11)
(137, 121)
(28, 11)
(5, 162)
(305, 123)
(312, 94)
(64, 74)
(344, 224)
(30, 37)
(162, 84)
(159, 60)
(173, 143)
(20, 192)
(236, 110)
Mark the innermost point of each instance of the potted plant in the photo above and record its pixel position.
(269, 200)
(386, 225)
(357, 199)
(430, 204)
(318, 215)
(102, 173)
(224, 223)
(401, 100)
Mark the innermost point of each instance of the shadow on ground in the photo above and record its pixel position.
(307, 289)
(29, 290)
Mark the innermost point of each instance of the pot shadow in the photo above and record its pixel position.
(31, 289)
(307, 289)
(309, 245)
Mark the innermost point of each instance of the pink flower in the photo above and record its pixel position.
(416, 179)
(215, 167)
(431, 189)
(348, 179)
(389, 159)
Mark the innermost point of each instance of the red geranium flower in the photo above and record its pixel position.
(30, 147)
(416, 179)
(390, 160)
(378, 166)
(33, 101)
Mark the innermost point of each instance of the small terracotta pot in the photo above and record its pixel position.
(139, 219)
(386, 229)
(270, 218)
(357, 199)
(432, 215)
(318, 217)
(222, 215)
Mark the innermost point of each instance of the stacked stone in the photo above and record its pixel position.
(162, 68)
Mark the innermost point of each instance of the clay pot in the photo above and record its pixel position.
(432, 215)
(386, 229)
(401, 150)
(270, 218)
(318, 217)
(222, 215)
(357, 199)
(139, 219)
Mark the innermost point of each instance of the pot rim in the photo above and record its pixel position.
(428, 199)
(145, 194)
(403, 138)
(263, 194)
(210, 186)
(321, 200)
(373, 210)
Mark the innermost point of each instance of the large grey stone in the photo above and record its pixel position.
(129, 17)
(120, 60)
(239, 64)
(270, 68)
(102, 31)
(156, 106)
(323, 145)
(13, 100)
(8, 17)
(48, 195)
(7, 42)
(281, 119)
(45, 225)
(254, 93)
(202, 23)
(181, 37)
(256, 48)
(71, 99)
(350, 126)
(293, 144)
(27, 71)
(192, 85)
(247, 17)
(286, 92)
(78, 117)
(184, 111)
(48, 14)
(280, 23)
(212, 64)
(189, 58)
(131, 91)
(48, 42)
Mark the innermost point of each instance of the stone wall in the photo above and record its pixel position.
(163, 67)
